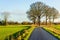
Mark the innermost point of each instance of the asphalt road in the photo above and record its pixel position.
(40, 34)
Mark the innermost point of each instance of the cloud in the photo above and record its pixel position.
(57, 20)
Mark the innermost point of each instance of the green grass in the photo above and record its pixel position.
(30, 31)
(9, 30)
(53, 33)
(57, 27)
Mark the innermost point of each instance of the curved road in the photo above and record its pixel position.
(40, 34)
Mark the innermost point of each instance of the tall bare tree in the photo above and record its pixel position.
(55, 14)
(38, 7)
(31, 15)
(5, 14)
(46, 12)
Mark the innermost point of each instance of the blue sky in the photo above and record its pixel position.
(18, 8)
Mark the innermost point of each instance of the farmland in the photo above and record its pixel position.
(9, 30)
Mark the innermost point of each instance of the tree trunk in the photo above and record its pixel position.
(39, 20)
(5, 21)
(46, 19)
(34, 21)
(53, 20)
(50, 21)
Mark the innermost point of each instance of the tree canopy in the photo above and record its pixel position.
(38, 10)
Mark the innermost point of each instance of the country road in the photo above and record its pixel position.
(40, 34)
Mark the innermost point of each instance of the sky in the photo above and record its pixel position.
(18, 8)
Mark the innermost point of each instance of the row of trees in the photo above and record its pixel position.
(2, 22)
(38, 10)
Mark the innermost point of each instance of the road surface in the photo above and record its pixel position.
(40, 34)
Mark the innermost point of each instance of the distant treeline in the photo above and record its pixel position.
(15, 23)
(22, 23)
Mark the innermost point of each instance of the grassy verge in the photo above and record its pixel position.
(56, 27)
(30, 31)
(52, 32)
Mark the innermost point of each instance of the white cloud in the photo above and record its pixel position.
(57, 20)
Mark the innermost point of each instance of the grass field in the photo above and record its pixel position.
(9, 30)
(54, 30)
(57, 27)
